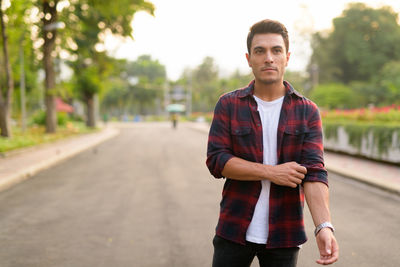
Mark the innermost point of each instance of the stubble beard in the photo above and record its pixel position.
(268, 81)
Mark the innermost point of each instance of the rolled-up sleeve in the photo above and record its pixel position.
(219, 149)
(312, 150)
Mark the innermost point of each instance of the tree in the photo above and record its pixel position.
(50, 24)
(147, 80)
(144, 67)
(93, 20)
(205, 85)
(5, 100)
(135, 87)
(21, 58)
(363, 39)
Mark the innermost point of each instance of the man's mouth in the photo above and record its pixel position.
(269, 69)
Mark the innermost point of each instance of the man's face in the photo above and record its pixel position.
(268, 58)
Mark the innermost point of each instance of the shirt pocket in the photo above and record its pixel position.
(240, 130)
(293, 140)
(242, 140)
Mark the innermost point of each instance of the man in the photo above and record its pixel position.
(266, 140)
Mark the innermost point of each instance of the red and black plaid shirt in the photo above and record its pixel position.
(236, 131)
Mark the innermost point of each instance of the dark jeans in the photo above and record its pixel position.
(230, 254)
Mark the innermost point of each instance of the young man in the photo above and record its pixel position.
(266, 140)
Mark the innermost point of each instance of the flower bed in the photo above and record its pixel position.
(372, 132)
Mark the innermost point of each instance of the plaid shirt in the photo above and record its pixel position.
(236, 130)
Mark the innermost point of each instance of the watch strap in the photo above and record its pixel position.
(323, 225)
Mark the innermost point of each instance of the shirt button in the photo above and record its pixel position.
(258, 124)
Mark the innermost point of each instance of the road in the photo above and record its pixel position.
(145, 198)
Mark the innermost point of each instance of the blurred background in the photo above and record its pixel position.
(135, 83)
(66, 65)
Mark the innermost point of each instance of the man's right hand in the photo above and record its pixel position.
(288, 174)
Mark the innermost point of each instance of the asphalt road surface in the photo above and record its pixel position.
(145, 198)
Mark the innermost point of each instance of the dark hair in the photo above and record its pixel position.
(268, 26)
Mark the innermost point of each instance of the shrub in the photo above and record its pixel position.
(39, 118)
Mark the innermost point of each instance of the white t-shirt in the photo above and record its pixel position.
(269, 114)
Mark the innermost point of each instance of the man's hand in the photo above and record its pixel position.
(288, 174)
(328, 247)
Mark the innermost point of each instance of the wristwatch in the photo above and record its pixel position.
(323, 225)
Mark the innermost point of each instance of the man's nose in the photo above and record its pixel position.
(268, 57)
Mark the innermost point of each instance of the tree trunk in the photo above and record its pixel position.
(49, 35)
(5, 121)
(5, 102)
(90, 112)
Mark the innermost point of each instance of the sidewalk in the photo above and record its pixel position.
(20, 166)
(384, 176)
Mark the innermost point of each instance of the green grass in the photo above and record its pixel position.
(36, 135)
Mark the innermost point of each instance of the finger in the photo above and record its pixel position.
(300, 175)
(297, 181)
(329, 259)
(328, 248)
(335, 250)
(301, 169)
(296, 174)
(326, 261)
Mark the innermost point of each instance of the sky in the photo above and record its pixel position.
(183, 32)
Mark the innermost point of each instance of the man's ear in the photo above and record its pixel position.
(287, 58)
(248, 59)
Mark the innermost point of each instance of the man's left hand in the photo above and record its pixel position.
(328, 247)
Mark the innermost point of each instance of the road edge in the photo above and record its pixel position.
(25, 173)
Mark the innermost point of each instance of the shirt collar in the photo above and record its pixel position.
(249, 90)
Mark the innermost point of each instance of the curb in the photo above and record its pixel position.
(10, 180)
(392, 188)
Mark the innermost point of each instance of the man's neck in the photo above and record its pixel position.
(270, 91)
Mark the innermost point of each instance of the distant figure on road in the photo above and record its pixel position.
(266, 140)
(174, 120)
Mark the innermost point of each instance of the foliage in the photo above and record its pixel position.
(382, 123)
(358, 131)
(40, 118)
(389, 79)
(333, 95)
(92, 21)
(18, 38)
(207, 85)
(23, 20)
(299, 81)
(135, 87)
(362, 41)
(206, 89)
(88, 82)
(146, 70)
